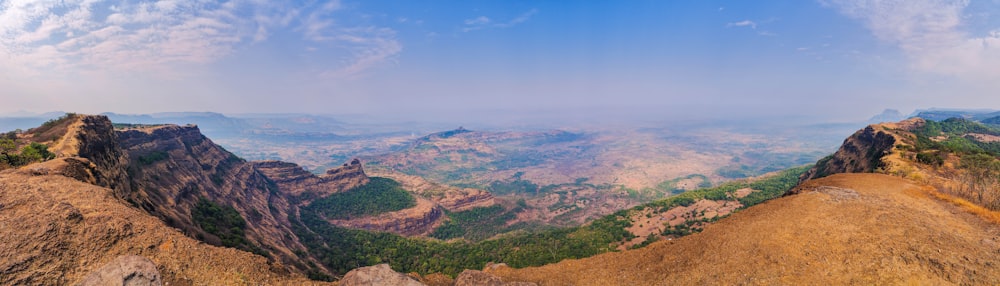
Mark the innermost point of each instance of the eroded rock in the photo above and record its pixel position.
(377, 275)
(128, 270)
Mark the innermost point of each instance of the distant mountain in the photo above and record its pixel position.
(888, 115)
(940, 114)
(214, 125)
(25, 120)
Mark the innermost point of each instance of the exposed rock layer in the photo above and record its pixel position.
(75, 228)
(860, 153)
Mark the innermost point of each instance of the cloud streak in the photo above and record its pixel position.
(931, 35)
(483, 22)
(72, 36)
(744, 23)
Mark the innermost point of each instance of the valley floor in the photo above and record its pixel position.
(843, 229)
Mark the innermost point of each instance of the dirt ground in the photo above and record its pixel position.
(844, 229)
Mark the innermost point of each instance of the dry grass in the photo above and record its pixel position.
(872, 229)
(966, 205)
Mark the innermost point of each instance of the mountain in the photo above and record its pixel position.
(82, 193)
(113, 192)
(888, 115)
(180, 184)
(940, 114)
(842, 229)
(910, 202)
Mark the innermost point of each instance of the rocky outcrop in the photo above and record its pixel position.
(860, 153)
(465, 199)
(378, 275)
(451, 198)
(174, 167)
(304, 186)
(128, 270)
(56, 230)
(93, 140)
(418, 220)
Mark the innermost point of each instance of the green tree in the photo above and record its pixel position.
(6, 147)
(35, 152)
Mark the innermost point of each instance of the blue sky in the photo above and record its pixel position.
(839, 59)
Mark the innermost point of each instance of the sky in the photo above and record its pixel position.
(837, 59)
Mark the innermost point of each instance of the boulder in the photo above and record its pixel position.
(377, 275)
(128, 270)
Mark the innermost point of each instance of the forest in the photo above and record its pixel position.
(342, 249)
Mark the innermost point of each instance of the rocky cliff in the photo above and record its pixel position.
(860, 153)
(418, 220)
(174, 167)
(450, 198)
(55, 230)
(304, 186)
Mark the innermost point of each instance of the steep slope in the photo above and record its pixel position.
(304, 186)
(842, 229)
(55, 230)
(860, 153)
(173, 168)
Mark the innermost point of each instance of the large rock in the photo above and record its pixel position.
(377, 275)
(128, 270)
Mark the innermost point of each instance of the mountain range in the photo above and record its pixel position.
(906, 202)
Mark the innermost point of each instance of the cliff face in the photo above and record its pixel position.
(92, 145)
(303, 186)
(450, 198)
(55, 230)
(173, 167)
(418, 220)
(860, 153)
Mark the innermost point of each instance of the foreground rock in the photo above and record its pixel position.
(129, 270)
(377, 275)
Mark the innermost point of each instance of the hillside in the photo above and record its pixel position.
(57, 229)
(843, 229)
(957, 156)
(561, 178)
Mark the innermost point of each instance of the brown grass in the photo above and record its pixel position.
(865, 229)
(987, 214)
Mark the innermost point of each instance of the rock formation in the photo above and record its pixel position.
(860, 153)
(173, 167)
(451, 198)
(304, 186)
(378, 275)
(56, 230)
(418, 220)
(128, 270)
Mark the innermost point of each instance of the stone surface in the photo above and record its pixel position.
(129, 270)
(377, 275)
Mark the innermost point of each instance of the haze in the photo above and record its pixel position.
(837, 59)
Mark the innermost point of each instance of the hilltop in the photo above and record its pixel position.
(899, 203)
(843, 229)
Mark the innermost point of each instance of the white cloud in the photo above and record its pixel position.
(73, 36)
(744, 23)
(931, 34)
(367, 46)
(483, 22)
